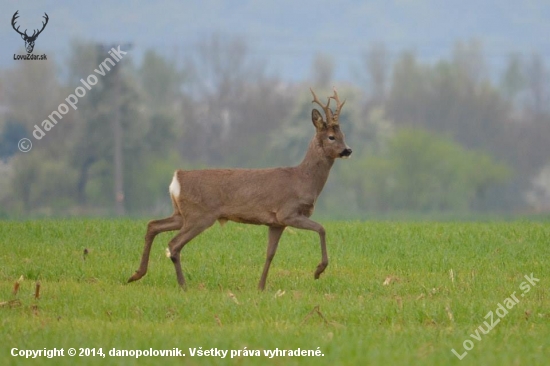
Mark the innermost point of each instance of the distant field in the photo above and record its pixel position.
(393, 294)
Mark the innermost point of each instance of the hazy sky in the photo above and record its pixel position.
(287, 33)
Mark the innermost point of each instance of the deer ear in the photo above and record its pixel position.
(317, 119)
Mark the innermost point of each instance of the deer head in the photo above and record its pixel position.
(329, 136)
(29, 40)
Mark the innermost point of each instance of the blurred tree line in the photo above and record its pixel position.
(443, 137)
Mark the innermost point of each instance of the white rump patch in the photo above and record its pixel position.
(174, 188)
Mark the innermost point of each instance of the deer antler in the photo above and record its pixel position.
(43, 25)
(34, 34)
(13, 20)
(338, 105)
(326, 108)
(332, 118)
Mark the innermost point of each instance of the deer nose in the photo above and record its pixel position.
(346, 152)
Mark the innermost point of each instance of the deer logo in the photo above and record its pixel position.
(29, 40)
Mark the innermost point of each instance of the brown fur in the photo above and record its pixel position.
(276, 197)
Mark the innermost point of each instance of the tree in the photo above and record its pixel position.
(537, 84)
(424, 172)
(410, 91)
(147, 118)
(513, 79)
(230, 106)
(539, 194)
(322, 70)
(450, 98)
(469, 60)
(32, 92)
(91, 142)
(39, 178)
(376, 63)
(12, 132)
(162, 83)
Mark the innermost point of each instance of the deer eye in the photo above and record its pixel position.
(332, 138)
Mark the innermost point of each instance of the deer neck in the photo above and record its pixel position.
(315, 167)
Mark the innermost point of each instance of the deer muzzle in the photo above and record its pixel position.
(346, 153)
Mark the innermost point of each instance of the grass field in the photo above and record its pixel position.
(393, 294)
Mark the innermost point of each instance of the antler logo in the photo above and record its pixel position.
(29, 40)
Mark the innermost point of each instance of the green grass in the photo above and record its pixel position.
(417, 318)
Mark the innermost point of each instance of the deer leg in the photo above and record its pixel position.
(274, 236)
(154, 228)
(303, 222)
(187, 233)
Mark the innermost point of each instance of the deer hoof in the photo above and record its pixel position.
(320, 269)
(136, 276)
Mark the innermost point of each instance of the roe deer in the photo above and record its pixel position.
(275, 197)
